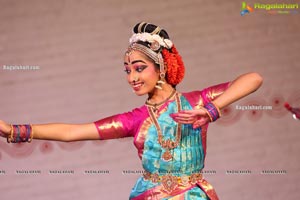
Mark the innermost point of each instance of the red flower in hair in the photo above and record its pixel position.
(175, 66)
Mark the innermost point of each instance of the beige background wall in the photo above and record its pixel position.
(79, 46)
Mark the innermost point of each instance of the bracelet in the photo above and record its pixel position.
(31, 135)
(20, 133)
(10, 136)
(212, 111)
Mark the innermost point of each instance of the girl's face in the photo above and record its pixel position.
(142, 73)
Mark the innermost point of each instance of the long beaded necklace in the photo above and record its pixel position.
(167, 144)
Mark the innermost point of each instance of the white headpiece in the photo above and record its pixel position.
(155, 40)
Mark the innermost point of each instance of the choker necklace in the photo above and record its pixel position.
(155, 106)
(166, 144)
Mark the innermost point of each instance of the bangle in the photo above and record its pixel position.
(218, 109)
(17, 133)
(31, 135)
(212, 111)
(10, 136)
(20, 133)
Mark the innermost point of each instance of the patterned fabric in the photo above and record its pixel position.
(188, 156)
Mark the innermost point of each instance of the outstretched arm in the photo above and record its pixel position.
(113, 127)
(58, 132)
(239, 88)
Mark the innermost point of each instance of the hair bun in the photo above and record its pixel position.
(144, 27)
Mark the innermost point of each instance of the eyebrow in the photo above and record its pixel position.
(135, 61)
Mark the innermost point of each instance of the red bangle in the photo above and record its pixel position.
(20, 133)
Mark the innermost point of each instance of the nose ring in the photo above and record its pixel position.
(135, 79)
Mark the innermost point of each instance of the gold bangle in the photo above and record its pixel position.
(10, 137)
(218, 109)
(31, 134)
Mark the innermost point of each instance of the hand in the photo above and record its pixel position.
(4, 129)
(197, 117)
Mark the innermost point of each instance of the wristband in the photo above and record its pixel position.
(20, 133)
(212, 111)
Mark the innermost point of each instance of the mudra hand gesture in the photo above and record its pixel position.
(196, 117)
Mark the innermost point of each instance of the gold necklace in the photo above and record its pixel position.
(167, 144)
(155, 106)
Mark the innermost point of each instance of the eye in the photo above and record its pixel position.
(127, 71)
(141, 68)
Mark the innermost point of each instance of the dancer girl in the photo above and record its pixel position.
(169, 130)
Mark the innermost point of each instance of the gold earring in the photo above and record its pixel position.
(161, 81)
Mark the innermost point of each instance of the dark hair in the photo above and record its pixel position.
(144, 27)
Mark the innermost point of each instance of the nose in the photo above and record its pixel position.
(132, 77)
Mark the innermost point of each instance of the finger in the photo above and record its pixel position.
(177, 115)
(200, 123)
(200, 111)
(190, 119)
(186, 111)
(182, 115)
(196, 125)
(184, 121)
(194, 113)
(189, 113)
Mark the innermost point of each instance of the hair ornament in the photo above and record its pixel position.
(156, 39)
